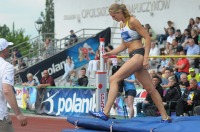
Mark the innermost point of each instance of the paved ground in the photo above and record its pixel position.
(42, 124)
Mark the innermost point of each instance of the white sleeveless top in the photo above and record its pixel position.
(128, 34)
(6, 77)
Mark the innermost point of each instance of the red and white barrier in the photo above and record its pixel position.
(101, 80)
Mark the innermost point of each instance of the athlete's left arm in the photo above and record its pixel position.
(134, 23)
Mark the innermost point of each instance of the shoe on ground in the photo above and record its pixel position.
(99, 115)
(168, 120)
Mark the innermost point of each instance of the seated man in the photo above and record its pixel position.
(192, 74)
(182, 65)
(174, 91)
(190, 98)
(73, 38)
(45, 81)
(148, 101)
(172, 94)
(83, 79)
(184, 83)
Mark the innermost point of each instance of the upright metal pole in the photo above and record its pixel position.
(101, 80)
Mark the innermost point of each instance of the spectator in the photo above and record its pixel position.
(48, 47)
(148, 100)
(151, 33)
(177, 51)
(172, 94)
(182, 65)
(158, 73)
(94, 64)
(45, 81)
(68, 67)
(130, 93)
(178, 36)
(174, 91)
(184, 83)
(194, 35)
(31, 81)
(191, 24)
(154, 51)
(167, 74)
(193, 49)
(193, 75)
(165, 62)
(163, 37)
(22, 65)
(190, 98)
(186, 36)
(175, 45)
(16, 57)
(73, 78)
(152, 72)
(83, 79)
(73, 38)
(30, 98)
(197, 23)
(171, 36)
(111, 61)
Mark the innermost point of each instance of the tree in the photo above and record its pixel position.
(17, 37)
(4, 30)
(48, 18)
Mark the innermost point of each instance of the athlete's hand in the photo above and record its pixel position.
(146, 63)
(106, 55)
(22, 119)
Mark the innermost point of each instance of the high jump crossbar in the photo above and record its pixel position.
(160, 56)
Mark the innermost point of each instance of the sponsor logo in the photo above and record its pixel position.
(70, 104)
(55, 68)
(102, 100)
(50, 100)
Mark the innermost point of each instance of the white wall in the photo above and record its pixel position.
(178, 11)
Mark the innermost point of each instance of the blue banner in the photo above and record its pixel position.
(83, 52)
(65, 102)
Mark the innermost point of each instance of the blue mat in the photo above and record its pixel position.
(137, 124)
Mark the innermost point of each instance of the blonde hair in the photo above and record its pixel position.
(172, 78)
(73, 71)
(116, 8)
(29, 75)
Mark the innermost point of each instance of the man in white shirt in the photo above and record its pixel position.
(6, 91)
(154, 51)
(171, 36)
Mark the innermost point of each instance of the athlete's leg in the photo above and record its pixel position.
(132, 65)
(144, 78)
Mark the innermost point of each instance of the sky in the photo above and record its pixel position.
(23, 13)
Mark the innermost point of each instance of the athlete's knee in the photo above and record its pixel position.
(114, 79)
(151, 90)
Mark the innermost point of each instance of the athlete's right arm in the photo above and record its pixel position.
(119, 49)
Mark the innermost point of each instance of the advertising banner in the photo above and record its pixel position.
(68, 101)
(65, 102)
(80, 53)
(26, 97)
